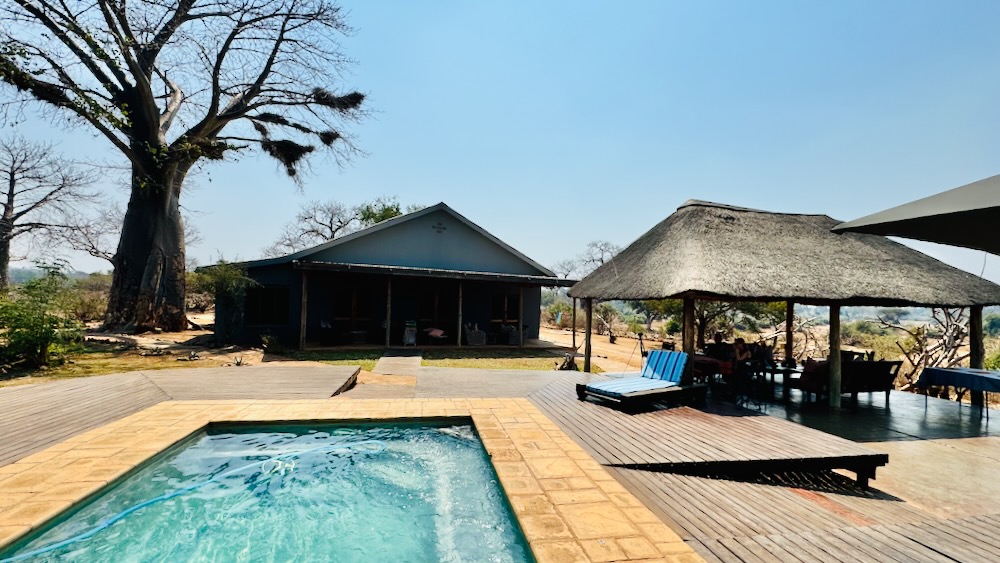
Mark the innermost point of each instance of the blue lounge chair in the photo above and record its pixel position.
(661, 375)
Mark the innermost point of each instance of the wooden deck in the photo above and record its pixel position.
(966, 539)
(39, 415)
(702, 441)
(710, 508)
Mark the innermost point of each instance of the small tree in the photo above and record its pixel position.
(228, 283)
(381, 209)
(597, 252)
(606, 315)
(943, 342)
(653, 310)
(319, 222)
(36, 321)
(37, 191)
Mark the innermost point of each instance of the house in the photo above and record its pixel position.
(425, 277)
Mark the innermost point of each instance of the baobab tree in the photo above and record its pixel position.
(171, 84)
(38, 189)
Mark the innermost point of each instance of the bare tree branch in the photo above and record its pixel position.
(37, 188)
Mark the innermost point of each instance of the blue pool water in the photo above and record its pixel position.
(298, 493)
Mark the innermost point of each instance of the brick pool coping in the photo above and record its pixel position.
(569, 507)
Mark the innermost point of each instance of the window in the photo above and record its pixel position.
(266, 306)
(505, 308)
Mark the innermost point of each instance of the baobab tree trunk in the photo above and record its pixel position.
(4, 259)
(148, 288)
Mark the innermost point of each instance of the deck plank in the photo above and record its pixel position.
(696, 439)
(40, 415)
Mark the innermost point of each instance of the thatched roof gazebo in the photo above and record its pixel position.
(718, 252)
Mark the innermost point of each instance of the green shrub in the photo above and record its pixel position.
(991, 324)
(636, 327)
(554, 318)
(860, 329)
(227, 283)
(87, 306)
(993, 360)
(37, 321)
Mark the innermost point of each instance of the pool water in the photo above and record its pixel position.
(320, 492)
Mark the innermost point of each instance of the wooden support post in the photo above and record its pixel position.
(388, 310)
(573, 320)
(688, 336)
(520, 317)
(588, 320)
(789, 331)
(834, 359)
(977, 354)
(459, 314)
(304, 309)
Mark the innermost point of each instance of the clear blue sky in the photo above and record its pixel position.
(554, 124)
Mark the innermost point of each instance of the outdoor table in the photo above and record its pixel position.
(967, 378)
(785, 371)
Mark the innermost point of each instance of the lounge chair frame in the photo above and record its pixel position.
(662, 365)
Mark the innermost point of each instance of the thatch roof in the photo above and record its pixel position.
(712, 251)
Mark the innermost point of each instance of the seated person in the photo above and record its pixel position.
(763, 354)
(718, 349)
(741, 353)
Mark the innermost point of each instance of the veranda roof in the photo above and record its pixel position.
(965, 216)
(712, 251)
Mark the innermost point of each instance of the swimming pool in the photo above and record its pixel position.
(338, 492)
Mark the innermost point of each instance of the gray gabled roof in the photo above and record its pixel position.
(388, 223)
(712, 251)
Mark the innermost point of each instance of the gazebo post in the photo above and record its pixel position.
(834, 359)
(789, 332)
(574, 326)
(977, 353)
(687, 338)
(588, 318)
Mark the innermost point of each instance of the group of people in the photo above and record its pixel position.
(738, 351)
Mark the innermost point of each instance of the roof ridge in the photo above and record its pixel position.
(704, 203)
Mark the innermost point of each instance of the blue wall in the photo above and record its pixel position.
(436, 240)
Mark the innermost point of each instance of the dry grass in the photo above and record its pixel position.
(486, 358)
(102, 359)
(364, 358)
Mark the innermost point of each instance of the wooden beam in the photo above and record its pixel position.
(789, 331)
(388, 309)
(688, 336)
(574, 326)
(588, 320)
(520, 317)
(977, 353)
(302, 312)
(459, 314)
(834, 359)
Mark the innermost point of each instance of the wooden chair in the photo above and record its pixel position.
(815, 378)
(869, 377)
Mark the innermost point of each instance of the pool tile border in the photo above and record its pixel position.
(569, 507)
